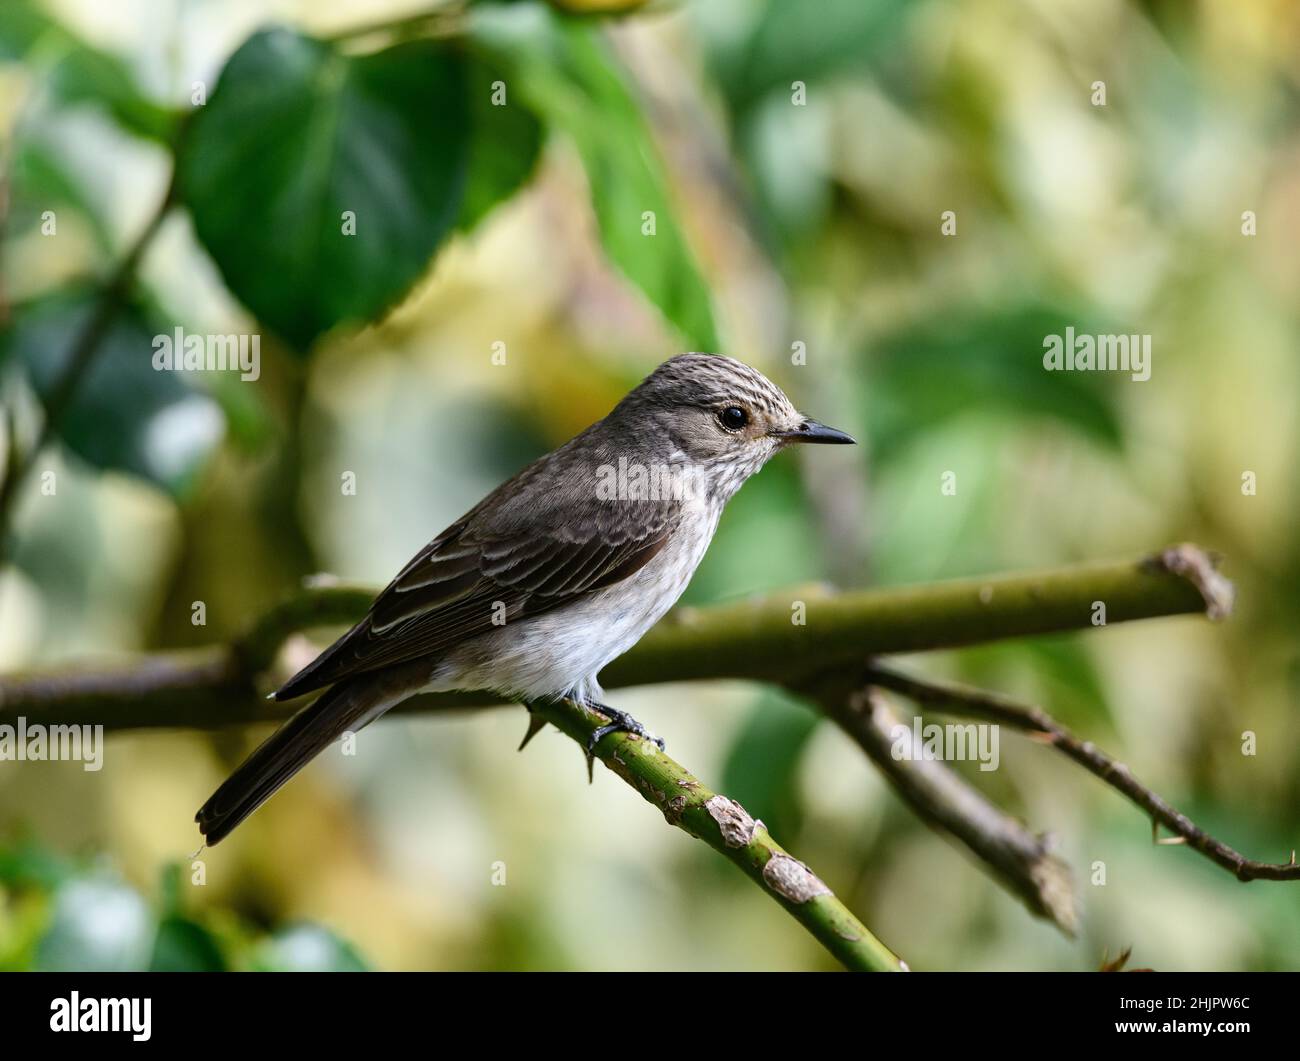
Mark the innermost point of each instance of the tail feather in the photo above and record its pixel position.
(348, 705)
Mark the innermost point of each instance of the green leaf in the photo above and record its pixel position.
(562, 68)
(784, 43)
(79, 73)
(40, 181)
(295, 134)
(762, 765)
(986, 361)
(507, 141)
(308, 949)
(22, 24)
(125, 414)
(1063, 664)
(86, 75)
(25, 863)
(183, 945)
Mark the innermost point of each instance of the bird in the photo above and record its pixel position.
(554, 574)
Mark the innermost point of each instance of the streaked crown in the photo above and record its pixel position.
(709, 380)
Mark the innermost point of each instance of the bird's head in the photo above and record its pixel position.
(720, 414)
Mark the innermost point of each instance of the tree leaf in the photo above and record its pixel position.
(25, 863)
(125, 414)
(762, 765)
(40, 181)
(183, 945)
(78, 72)
(783, 45)
(295, 134)
(974, 360)
(507, 141)
(562, 68)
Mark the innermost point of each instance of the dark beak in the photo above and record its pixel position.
(812, 431)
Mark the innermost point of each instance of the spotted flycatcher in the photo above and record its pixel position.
(551, 576)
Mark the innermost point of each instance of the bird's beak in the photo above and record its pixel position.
(812, 431)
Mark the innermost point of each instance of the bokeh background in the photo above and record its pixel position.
(814, 230)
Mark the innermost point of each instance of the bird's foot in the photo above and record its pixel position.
(619, 722)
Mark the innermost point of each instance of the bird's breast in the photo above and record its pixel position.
(565, 648)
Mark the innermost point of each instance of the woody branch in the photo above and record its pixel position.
(784, 637)
(792, 637)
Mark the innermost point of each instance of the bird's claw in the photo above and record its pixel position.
(620, 722)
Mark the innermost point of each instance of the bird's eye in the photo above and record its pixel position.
(733, 417)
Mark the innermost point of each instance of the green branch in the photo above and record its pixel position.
(787, 637)
(761, 639)
(728, 828)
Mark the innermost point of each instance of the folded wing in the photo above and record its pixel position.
(509, 561)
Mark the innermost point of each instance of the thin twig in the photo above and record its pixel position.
(1022, 862)
(993, 707)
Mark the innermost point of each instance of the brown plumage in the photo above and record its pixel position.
(555, 573)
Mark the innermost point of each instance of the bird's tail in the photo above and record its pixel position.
(349, 705)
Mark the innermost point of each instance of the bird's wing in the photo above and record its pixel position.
(541, 548)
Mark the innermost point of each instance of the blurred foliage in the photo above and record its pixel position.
(563, 70)
(519, 229)
(73, 72)
(974, 361)
(125, 415)
(279, 171)
(66, 914)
